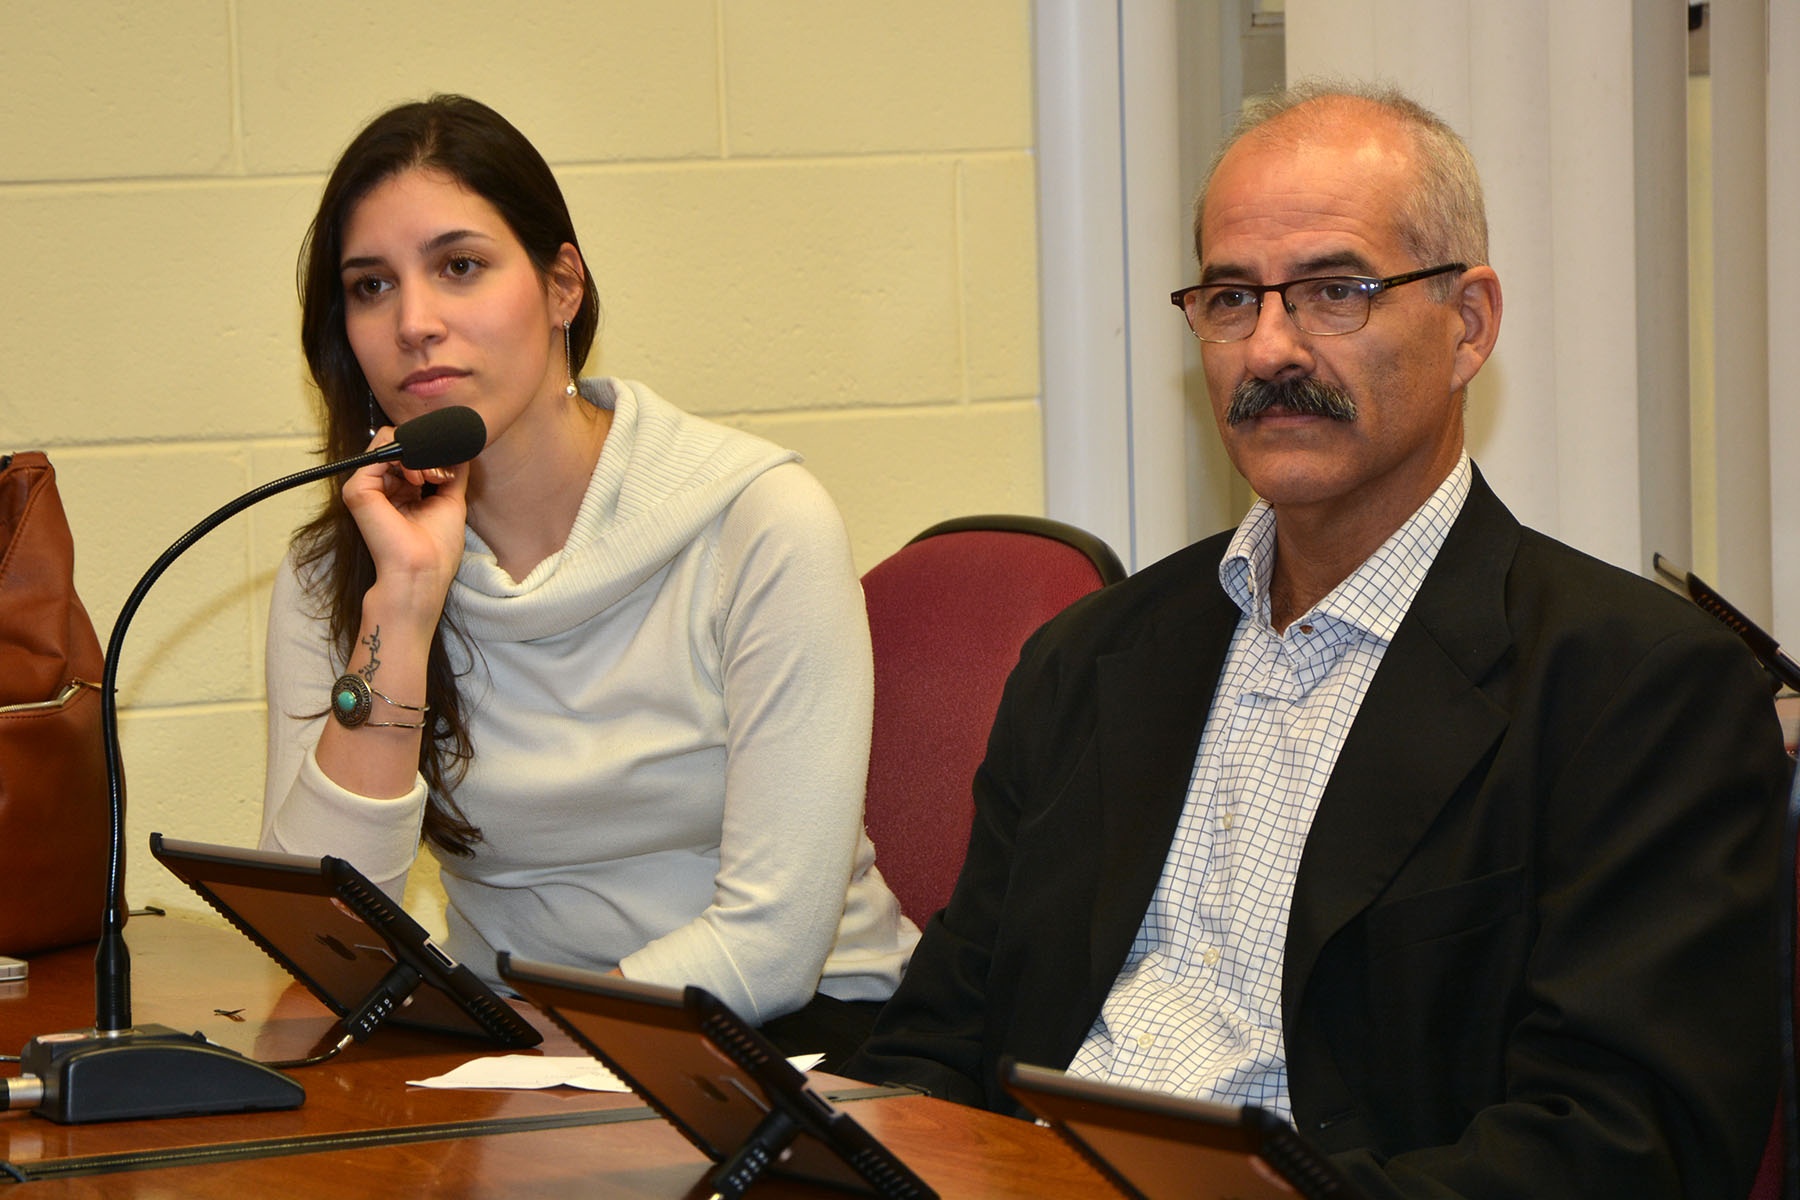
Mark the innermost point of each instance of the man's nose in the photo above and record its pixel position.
(1276, 347)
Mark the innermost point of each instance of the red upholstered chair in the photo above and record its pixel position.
(1768, 1177)
(947, 613)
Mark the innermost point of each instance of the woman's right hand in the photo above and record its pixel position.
(412, 522)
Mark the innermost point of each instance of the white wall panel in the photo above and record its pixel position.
(1783, 159)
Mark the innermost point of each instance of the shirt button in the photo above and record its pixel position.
(1145, 1041)
(1226, 821)
(1211, 957)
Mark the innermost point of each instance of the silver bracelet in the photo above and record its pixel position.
(352, 698)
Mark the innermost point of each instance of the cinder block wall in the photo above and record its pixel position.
(809, 218)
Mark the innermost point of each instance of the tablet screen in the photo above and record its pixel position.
(712, 1076)
(339, 935)
(1160, 1147)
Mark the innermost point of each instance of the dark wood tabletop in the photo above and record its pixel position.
(363, 1131)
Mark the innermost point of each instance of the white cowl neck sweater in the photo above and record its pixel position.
(670, 720)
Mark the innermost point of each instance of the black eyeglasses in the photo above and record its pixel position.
(1324, 306)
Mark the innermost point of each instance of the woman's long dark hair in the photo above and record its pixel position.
(469, 142)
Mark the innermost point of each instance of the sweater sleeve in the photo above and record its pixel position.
(797, 679)
(304, 812)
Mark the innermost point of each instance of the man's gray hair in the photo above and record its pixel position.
(1442, 219)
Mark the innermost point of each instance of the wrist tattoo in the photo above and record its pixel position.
(373, 642)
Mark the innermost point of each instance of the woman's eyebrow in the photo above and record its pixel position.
(446, 238)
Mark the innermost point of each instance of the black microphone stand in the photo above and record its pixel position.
(118, 1071)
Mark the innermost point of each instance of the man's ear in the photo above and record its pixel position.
(565, 278)
(1478, 304)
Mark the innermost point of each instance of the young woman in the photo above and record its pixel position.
(615, 671)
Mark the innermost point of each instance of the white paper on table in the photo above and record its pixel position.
(543, 1071)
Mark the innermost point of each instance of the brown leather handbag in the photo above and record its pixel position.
(54, 816)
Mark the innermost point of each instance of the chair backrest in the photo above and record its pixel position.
(1769, 1175)
(947, 615)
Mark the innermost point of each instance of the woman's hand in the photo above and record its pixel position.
(412, 522)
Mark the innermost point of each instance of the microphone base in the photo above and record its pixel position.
(148, 1071)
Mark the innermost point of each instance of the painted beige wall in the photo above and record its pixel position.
(808, 218)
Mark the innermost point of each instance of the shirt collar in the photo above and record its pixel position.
(1377, 594)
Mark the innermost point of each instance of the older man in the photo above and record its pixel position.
(1454, 845)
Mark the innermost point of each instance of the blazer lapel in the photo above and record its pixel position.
(1422, 727)
(1152, 705)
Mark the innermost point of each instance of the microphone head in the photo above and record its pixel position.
(442, 438)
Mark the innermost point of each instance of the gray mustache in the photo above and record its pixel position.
(1308, 397)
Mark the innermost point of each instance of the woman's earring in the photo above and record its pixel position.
(374, 415)
(569, 358)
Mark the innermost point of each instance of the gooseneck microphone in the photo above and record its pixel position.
(116, 1071)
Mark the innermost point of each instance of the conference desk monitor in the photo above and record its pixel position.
(1153, 1146)
(716, 1079)
(339, 935)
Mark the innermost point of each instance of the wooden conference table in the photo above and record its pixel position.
(364, 1132)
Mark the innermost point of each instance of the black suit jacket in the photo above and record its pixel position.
(1531, 944)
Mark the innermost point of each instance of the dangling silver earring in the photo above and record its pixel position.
(374, 415)
(569, 358)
